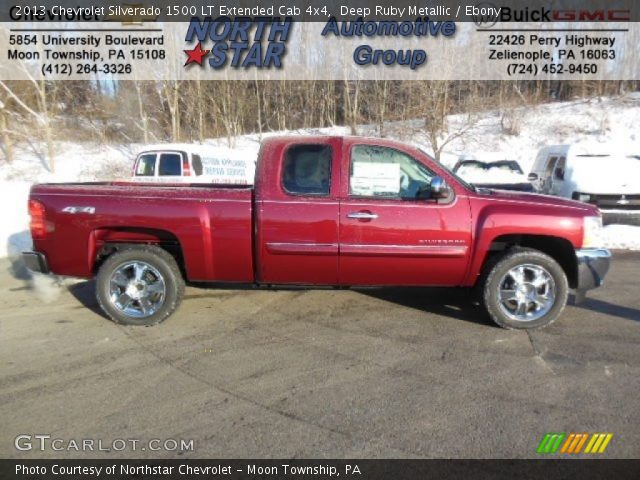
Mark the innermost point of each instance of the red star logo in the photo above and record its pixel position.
(195, 55)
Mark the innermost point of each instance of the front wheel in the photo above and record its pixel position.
(139, 285)
(525, 289)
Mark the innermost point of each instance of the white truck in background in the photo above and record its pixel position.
(191, 163)
(599, 174)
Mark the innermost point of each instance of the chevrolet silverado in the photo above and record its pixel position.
(324, 211)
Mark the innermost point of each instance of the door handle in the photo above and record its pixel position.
(362, 215)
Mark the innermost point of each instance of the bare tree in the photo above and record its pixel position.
(42, 115)
(170, 93)
(7, 144)
(436, 105)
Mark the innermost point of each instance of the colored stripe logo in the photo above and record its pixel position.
(574, 443)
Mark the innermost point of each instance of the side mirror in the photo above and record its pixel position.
(439, 188)
(532, 177)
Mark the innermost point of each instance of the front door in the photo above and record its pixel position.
(391, 232)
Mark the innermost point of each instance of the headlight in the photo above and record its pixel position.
(592, 232)
(582, 197)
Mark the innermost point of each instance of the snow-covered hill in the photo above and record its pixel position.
(611, 121)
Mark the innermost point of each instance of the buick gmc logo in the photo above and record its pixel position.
(486, 15)
(592, 15)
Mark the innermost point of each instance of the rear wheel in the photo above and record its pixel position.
(525, 289)
(139, 285)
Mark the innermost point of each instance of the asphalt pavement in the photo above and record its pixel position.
(390, 373)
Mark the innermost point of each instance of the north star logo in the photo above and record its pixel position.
(196, 55)
(240, 43)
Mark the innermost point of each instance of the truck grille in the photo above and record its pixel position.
(612, 202)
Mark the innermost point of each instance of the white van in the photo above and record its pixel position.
(596, 174)
(186, 163)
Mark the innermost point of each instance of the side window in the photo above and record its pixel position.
(306, 170)
(558, 173)
(170, 164)
(196, 161)
(387, 173)
(146, 165)
(551, 163)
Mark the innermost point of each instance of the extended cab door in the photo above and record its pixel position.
(391, 232)
(297, 212)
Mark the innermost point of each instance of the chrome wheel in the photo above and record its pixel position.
(137, 289)
(526, 293)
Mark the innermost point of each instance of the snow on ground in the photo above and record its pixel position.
(623, 237)
(14, 234)
(606, 121)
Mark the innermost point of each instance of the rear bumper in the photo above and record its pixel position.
(593, 265)
(35, 261)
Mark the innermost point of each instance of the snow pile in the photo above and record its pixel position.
(73, 163)
(14, 227)
(600, 121)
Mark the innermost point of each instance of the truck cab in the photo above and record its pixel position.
(351, 211)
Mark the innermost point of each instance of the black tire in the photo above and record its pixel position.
(532, 261)
(162, 270)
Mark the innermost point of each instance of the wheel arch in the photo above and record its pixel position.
(108, 240)
(558, 248)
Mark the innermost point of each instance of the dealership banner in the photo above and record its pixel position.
(318, 469)
(315, 40)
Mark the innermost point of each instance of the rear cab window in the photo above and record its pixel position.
(306, 170)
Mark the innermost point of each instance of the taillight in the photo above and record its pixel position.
(37, 225)
(186, 170)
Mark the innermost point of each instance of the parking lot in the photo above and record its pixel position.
(322, 373)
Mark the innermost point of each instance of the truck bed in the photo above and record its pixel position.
(195, 219)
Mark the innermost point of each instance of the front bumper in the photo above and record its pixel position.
(593, 265)
(35, 261)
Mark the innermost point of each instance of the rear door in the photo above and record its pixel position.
(391, 232)
(297, 239)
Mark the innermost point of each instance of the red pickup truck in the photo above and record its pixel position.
(324, 211)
